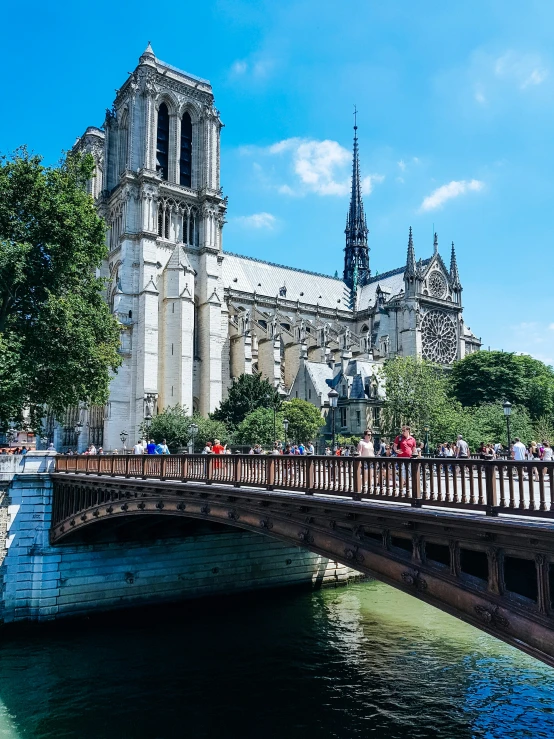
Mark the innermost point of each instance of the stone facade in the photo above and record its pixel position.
(42, 582)
(192, 316)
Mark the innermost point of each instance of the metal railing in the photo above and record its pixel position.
(497, 486)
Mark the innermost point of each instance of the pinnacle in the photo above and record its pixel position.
(148, 53)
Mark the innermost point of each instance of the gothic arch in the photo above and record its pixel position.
(170, 101)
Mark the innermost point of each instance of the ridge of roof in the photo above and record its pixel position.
(283, 266)
(392, 272)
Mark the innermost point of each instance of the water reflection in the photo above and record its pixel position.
(363, 661)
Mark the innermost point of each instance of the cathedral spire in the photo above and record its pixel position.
(436, 244)
(148, 54)
(411, 268)
(454, 274)
(356, 252)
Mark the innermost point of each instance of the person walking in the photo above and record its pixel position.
(365, 445)
(218, 447)
(162, 448)
(151, 447)
(138, 448)
(462, 448)
(404, 444)
(547, 453)
(519, 452)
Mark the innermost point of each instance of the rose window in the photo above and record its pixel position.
(437, 285)
(439, 337)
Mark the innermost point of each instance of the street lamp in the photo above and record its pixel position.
(333, 398)
(286, 427)
(123, 436)
(193, 428)
(78, 429)
(12, 435)
(507, 406)
(426, 445)
(44, 441)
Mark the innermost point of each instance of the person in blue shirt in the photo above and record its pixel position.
(162, 448)
(151, 447)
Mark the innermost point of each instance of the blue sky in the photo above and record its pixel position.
(456, 127)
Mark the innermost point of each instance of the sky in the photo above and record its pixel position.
(456, 127)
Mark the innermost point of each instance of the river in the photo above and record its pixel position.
(361, 661)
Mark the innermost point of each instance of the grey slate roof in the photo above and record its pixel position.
(249, 275)
(320, 373)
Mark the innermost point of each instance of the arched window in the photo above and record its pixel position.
(162, 141)
(185, 161)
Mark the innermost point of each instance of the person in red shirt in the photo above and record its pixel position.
(404, 444)
(217, 448)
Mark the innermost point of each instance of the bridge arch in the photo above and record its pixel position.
(456, 565)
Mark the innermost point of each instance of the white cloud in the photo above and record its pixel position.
(402, 165)
(257, 220)
(320, 167)
(551, 326)
(525, 70)
(239, 67)
(532, 337)
(446, 192)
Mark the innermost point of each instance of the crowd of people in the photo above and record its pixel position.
(404, 445)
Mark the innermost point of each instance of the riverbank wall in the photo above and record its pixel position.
(41, 582)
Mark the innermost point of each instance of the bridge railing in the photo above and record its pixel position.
(498, 486)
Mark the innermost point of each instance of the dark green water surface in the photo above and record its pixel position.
(362, 661)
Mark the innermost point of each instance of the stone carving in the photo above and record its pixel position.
(492, 616)
(439, 337)
(414, 579)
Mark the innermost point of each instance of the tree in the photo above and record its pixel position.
(543, 429)
(172, 424)
(305, 420)
(487, 423)
(58, 340)
(416, 395)
(247, 393)
(492, 377)
(257, 428)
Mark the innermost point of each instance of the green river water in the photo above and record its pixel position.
(361, 661)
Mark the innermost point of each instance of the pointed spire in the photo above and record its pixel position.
(148, 54)
(436, 244)
(356, 253)
(454, 274)
(411, 268)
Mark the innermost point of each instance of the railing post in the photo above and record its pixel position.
(270, 473)
(490, 488)
(112, 473)
(415, 469)
(238, 470)
(87, 461)
(357, 487)
(144, 466)
(310, 475)
(162, 467)
(127, 463)
(209, 469)
(184, 467)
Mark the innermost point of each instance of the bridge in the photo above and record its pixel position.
(473, 538)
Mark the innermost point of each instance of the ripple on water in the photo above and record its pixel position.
(363, 661)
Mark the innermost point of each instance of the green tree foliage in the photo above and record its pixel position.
(58, 339)
(543, 429)
(487, 423)
(208, 430)
(257, 428)
(247, 393)
(492, 377)
(173, 424)
(417, 394)
(305, 420)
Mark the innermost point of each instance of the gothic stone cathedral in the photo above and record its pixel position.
(193, 316)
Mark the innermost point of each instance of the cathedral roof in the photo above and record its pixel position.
(391, 282)
(249, 275)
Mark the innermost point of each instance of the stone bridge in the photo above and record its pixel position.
(472, 538)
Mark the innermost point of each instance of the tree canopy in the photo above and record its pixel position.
(257, 428)
(492, 377)
(58, 340)
(247, 393)
(173, 424)
(305, 420)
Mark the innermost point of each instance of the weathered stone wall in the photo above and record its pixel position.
(42, 582)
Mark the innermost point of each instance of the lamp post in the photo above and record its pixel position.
(193, 428)
(12, 435)
(44, 442)
(123, 436)
(78, 429)
(148, 421)
(333, 398)
(507, 406)
(426, 445)
(286, 427)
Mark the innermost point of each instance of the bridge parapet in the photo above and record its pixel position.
(492, 487)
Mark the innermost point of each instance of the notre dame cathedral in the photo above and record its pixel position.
(193, 316)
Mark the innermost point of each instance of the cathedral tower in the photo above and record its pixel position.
(356, 251)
